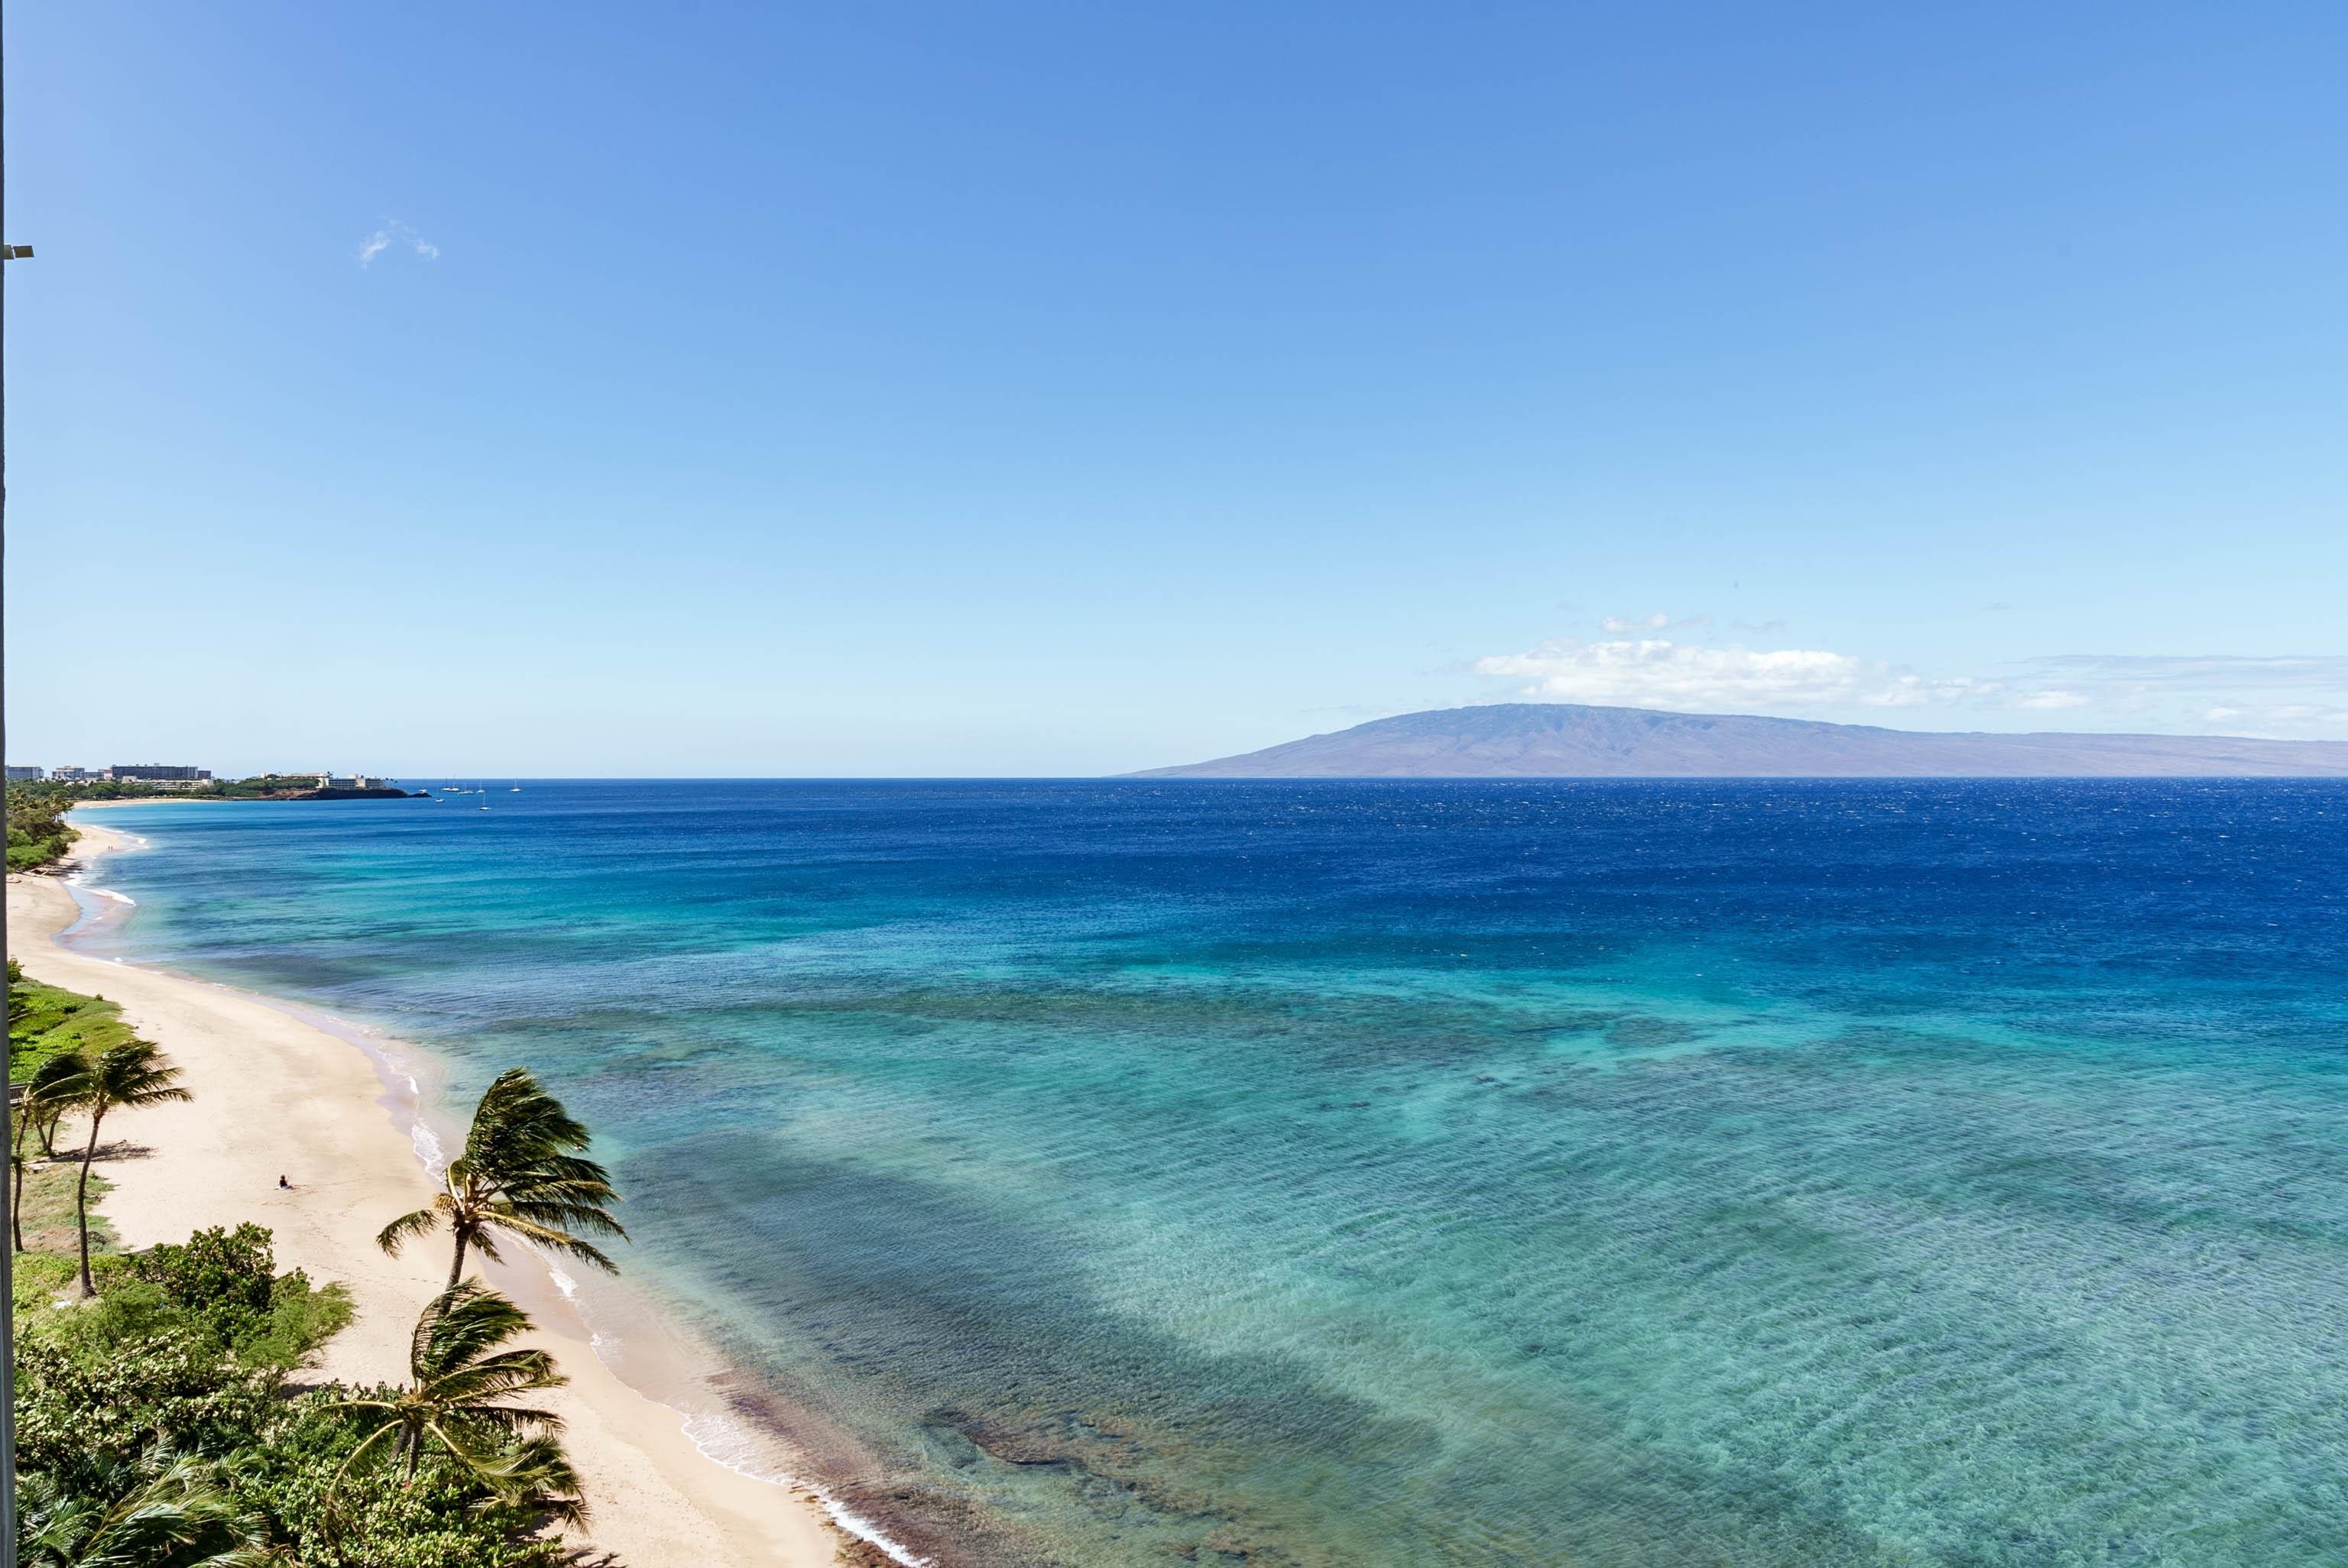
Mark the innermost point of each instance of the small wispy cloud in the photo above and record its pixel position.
(1620, 624)
(2285, 696)
(2301, 670)
(393, 235)
(2322, 717)
(1656, 672)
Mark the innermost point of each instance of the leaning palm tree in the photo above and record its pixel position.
(125, 1077)
(177, 1516)
(458, 1382)
(43, 1102)
(47, 1097)
(522, 1174)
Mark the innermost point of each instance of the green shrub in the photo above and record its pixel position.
(184, 1352)
(223, 1284)
(48, 1020)
(78, 1415)
(442, 1521)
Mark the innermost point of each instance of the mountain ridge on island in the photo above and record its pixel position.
(1564, 740)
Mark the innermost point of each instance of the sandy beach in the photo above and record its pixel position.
(275, 1095)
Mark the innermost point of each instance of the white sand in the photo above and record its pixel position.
(275, 1095)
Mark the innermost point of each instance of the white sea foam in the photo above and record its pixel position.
(722, 1440)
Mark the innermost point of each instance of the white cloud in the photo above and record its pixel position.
(1656, 672)
(394, 232)
(2052, 700)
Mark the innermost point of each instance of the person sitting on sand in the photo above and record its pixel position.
(284, 1183)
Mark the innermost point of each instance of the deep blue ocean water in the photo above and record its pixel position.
(1629, 1174)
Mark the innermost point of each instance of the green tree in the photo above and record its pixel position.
(45, 1102)
(459, 1381)
(522, 1174)
(124, 1078)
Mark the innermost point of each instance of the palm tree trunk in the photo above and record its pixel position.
(81, 1203)
(49, 1134)
(17, 1182)
(457, 1264)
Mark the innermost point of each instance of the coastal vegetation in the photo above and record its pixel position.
(39, 835)
(162, 1415)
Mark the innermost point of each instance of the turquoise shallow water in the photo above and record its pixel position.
(1617, 1173)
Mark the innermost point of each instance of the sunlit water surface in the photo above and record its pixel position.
(1629, 1174)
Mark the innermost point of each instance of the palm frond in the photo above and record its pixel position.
(409, 1227)
(547, 1237)
(364, 1454)
(565, 1214)
(538, 1474)
(180, 1514)
(133, 1073)
(59, 1081)
(458, 1326)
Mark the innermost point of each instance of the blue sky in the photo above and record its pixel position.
(677, 388)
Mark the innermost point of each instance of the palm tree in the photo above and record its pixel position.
(44, 1106)
(457, 1379)
(176, 1517)
(127, 1076)
(522, 1173)
(39, 1106)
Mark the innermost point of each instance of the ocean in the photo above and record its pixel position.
(1629, 1174)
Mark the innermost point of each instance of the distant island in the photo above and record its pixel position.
(1560, 739)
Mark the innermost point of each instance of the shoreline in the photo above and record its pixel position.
(279, 1091)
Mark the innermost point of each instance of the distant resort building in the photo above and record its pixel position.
(173, 779)
(157, 772)
(326, 779)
